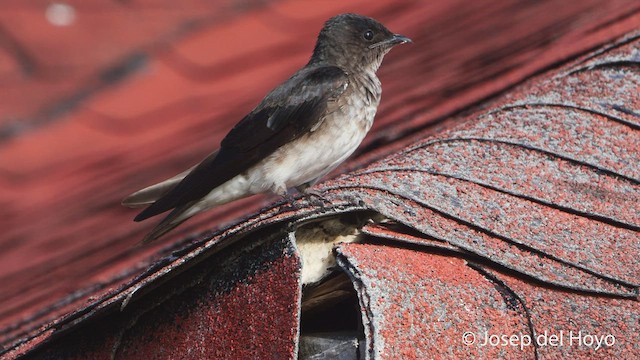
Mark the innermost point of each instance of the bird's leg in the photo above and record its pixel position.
(281, 190)
(291, 201)
(313, 197)
(302, 188)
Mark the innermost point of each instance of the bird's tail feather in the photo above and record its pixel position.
(176, 217)
(152, 193)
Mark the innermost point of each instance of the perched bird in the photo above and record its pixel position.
(300, 131)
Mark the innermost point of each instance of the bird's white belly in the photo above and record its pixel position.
(295, 163)
(311, 156)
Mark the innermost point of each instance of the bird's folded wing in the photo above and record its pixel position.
(289, 111)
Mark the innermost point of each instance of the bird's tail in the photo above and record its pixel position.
(227, 192)
(152, 193)
(176, 217)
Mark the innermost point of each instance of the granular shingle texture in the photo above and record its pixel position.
(207, 311)
(540, 196)
(519, 216)
(415, 304)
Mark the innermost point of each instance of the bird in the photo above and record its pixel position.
(302, 130)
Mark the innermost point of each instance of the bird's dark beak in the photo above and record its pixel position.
(400, 39)
(394, 40)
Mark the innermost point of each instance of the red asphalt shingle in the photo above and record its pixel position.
(523, 190)
(53, 63)
(581, 237)
(403, 294)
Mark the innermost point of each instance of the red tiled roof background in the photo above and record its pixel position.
(135, 92)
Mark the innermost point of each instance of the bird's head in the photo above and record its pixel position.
(354, 42)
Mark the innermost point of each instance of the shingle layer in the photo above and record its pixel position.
(540, 196)
(527, 209)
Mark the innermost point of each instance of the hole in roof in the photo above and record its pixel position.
(331, 318)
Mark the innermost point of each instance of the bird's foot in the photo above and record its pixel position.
(316, 198)
(310, 196)
(290, 202)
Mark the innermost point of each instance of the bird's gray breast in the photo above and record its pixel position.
(345, 123)
(364, 97)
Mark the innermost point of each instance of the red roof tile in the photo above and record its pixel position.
(524, 189)
(185, 315)
(63, 62)
(425, 305)
(415, 304)
(578, 318)
(547, 190)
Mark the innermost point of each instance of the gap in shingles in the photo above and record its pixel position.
(331, 318)
(330, 306)
(330, 321)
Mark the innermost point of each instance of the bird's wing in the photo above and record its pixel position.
(289, 111)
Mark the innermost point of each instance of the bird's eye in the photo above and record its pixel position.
(368, 35)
